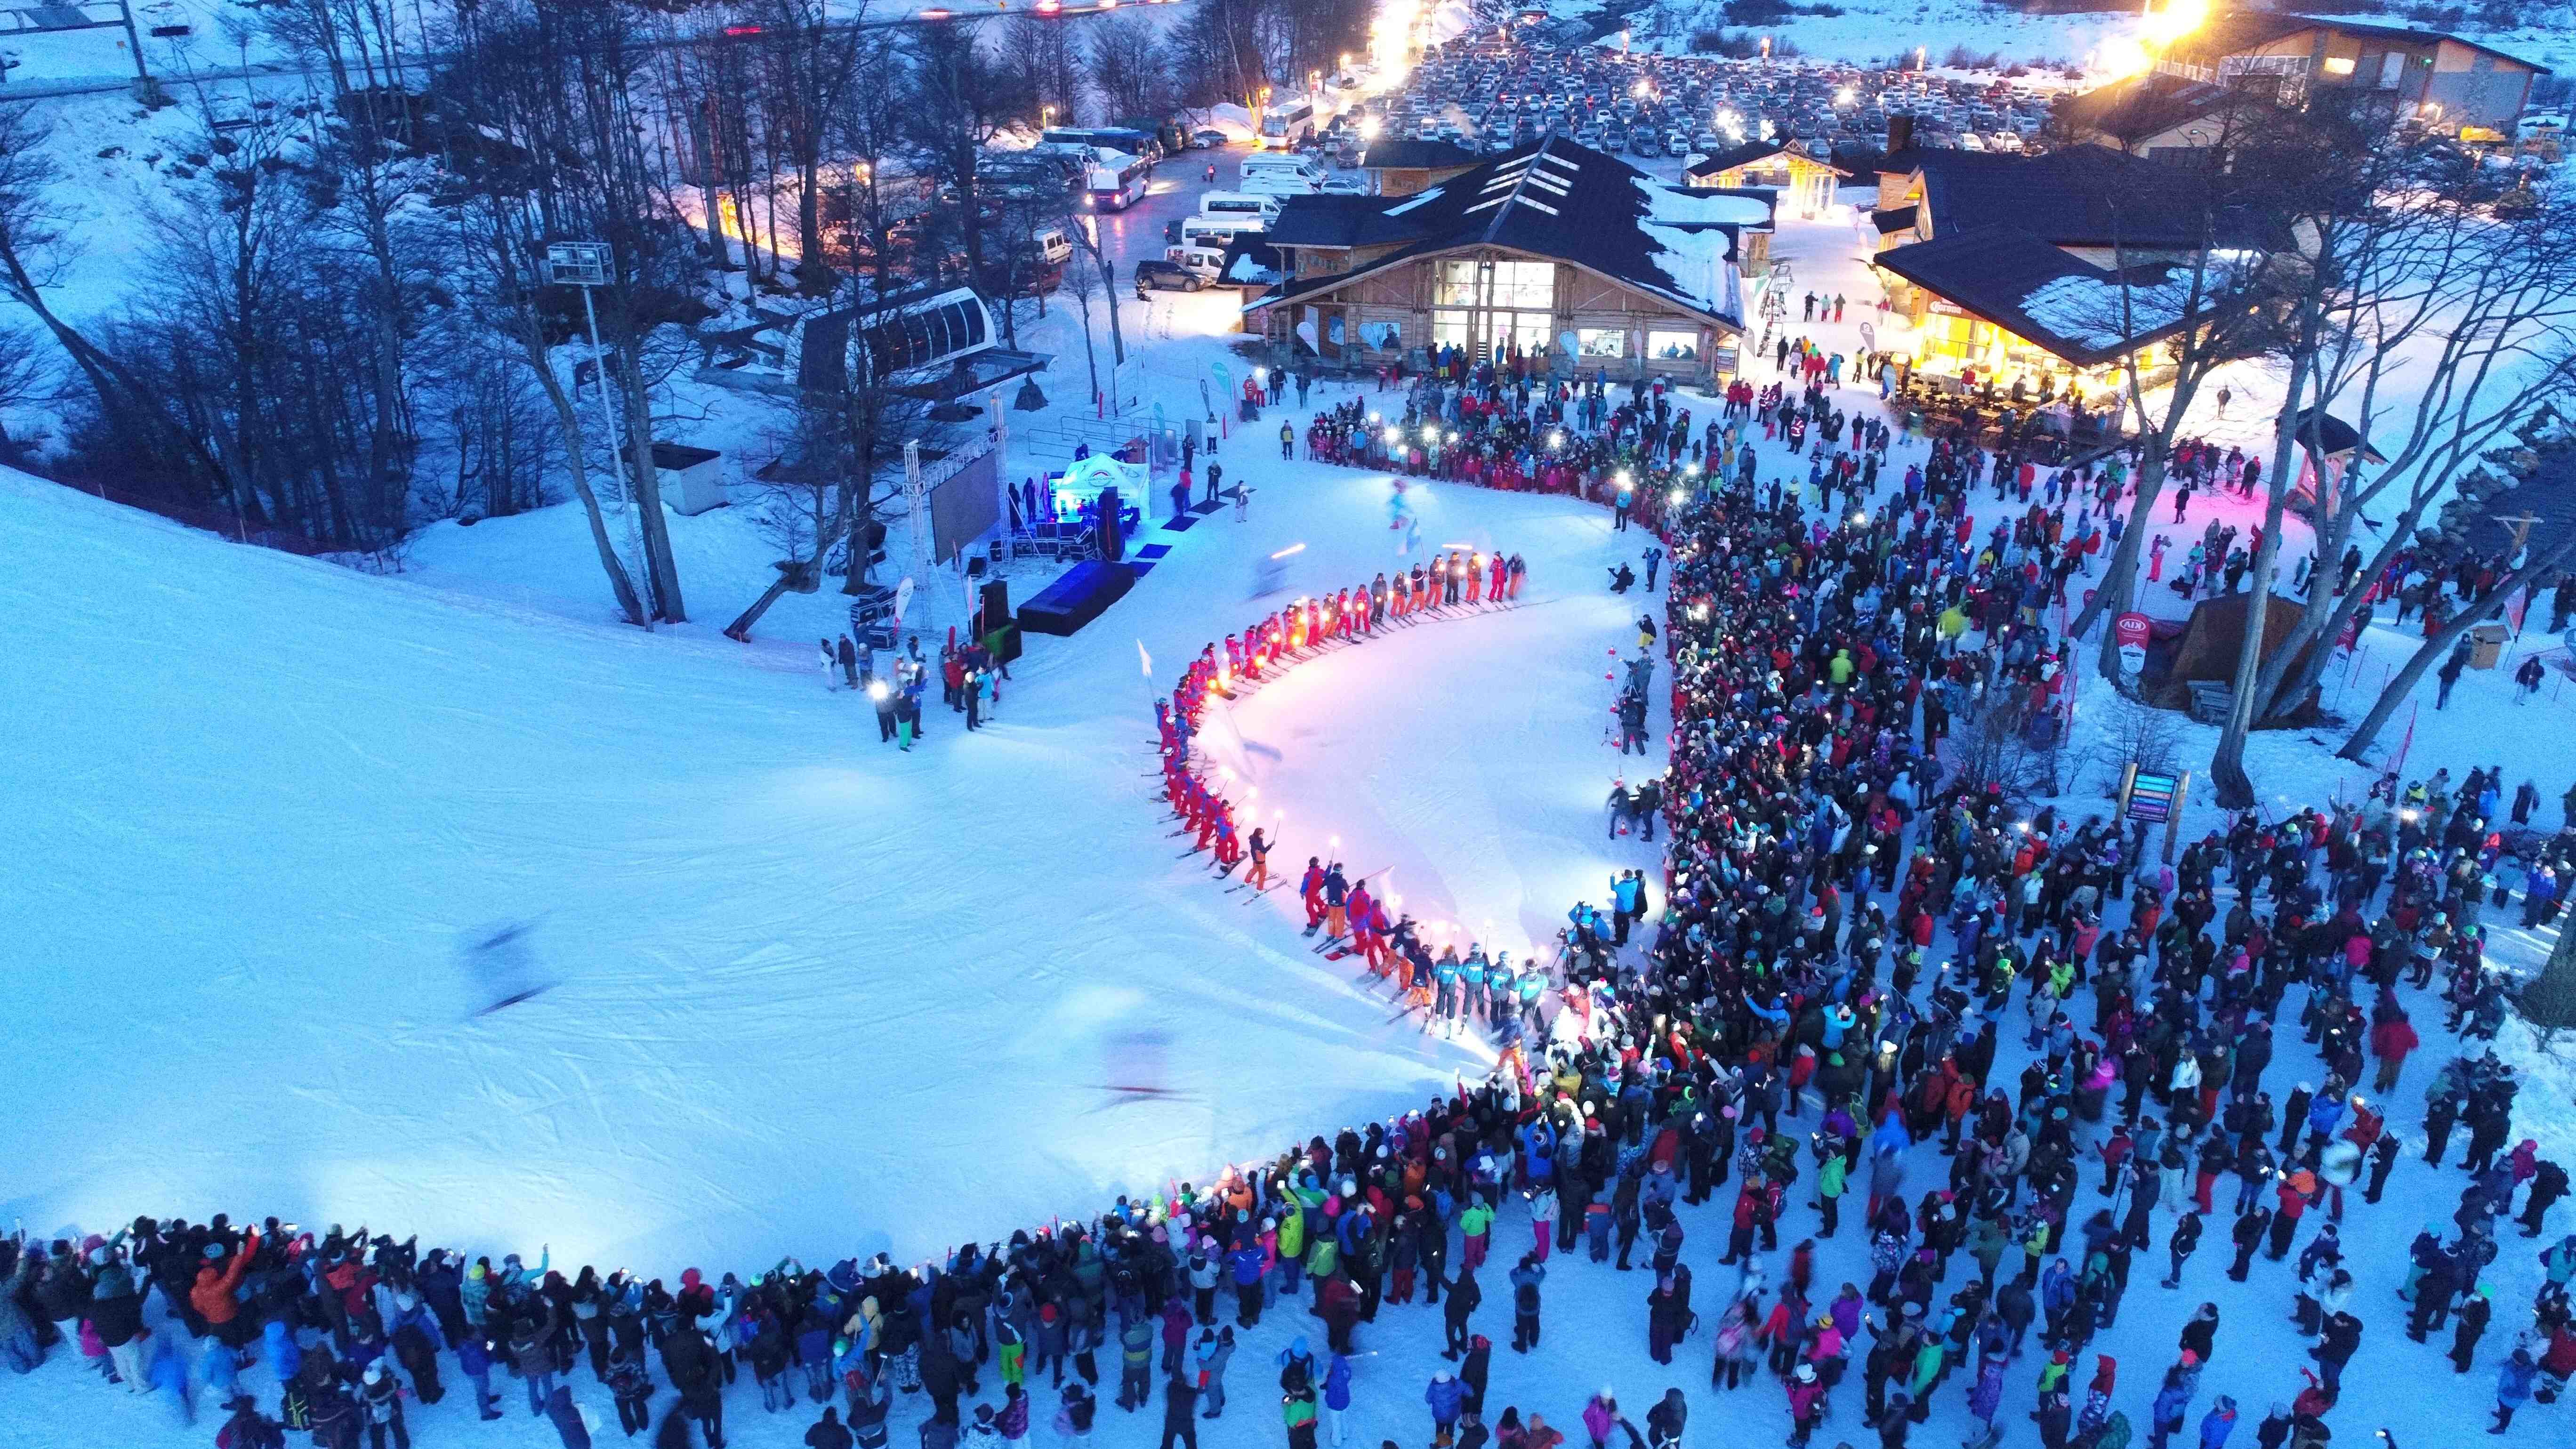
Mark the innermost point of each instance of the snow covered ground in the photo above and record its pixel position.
(813, 991)
(818, 997)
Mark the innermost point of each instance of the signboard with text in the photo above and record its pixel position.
(2131, 631)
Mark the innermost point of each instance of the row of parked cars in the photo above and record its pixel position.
(1495, 90)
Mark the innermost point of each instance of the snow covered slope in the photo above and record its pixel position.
(810, 987)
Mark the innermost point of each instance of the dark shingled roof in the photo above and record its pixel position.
(2147, 105)
(1894, 218)
(1558, 200)
(2077, 196)
(1400, 153)
(1330, 219)
(2000, 273)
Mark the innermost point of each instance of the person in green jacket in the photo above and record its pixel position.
(1927, 1373)
(1297, 1407)
(1322, 1256)
(1291, 1248)
(1476, 1225)
(1829, 1188)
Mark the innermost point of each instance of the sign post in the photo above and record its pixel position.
(2151, 796)
(2131, 631)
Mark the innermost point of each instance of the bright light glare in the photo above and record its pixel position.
(1391, 40)
(2178, 19)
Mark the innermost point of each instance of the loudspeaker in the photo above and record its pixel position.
(1113, 542)
(997, 604)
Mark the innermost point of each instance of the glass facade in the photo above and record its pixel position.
(1492, 305)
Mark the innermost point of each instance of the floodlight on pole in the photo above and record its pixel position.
(588, 264)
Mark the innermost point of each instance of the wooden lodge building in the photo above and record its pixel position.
(1553, 252)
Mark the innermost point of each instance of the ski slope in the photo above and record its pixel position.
(814, 996)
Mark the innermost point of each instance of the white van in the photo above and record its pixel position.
(1205, 238)
(1277, 184)
(1261, 204)
(1275, 163)
(1054, 247)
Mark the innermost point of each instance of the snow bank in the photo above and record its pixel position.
(815, 995)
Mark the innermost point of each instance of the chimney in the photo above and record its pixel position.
(1900, 132)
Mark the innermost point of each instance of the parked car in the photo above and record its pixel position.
(1208, 140)
(1153, 275)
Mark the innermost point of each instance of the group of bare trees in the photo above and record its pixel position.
(342, 322)
(2378, 282)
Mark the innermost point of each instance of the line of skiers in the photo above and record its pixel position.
(1287, 636)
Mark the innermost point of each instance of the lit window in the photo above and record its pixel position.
(1601, 341)
(1673, 346)
(2339, 65)
(1457, 284)
(1525, 284)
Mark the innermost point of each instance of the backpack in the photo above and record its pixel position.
(251, 1432)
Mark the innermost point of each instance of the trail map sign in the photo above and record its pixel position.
(2151, 797)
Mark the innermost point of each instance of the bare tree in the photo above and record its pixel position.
(960, 100)
(506, 81)
(2541, 564)
(27, 379)
(876, 194)
(1129, 66)
(31, 265)
(1040, 52)
(2190, 250)
(2444, 329)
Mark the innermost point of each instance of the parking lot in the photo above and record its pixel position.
(1493, 91)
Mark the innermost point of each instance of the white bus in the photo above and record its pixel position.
(1284, 125)
(1115, 180)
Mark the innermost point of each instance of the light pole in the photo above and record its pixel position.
(584, 265)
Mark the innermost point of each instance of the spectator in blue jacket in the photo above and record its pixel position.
(2513, 1387)
(1446, 1396)
(2218, 1423)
